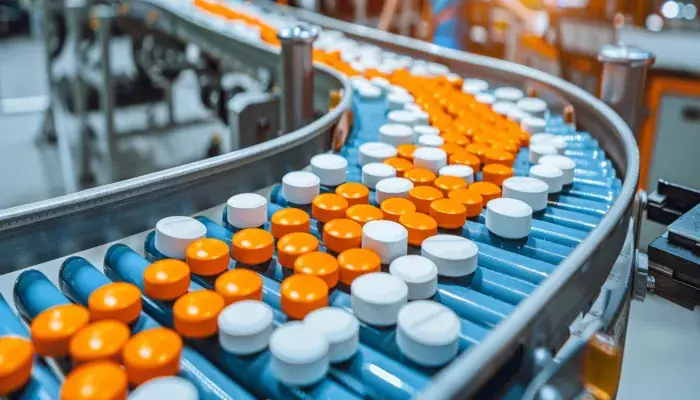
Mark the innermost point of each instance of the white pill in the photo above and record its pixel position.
(246, 210)
(412, 107)
(386, 238)
(430, 158)
(399, 89)
(565, 164)
(422, 118)
(533, 125)
(392, 187)
(245, 327)
(166, 387)
(549, 174)
(419, 273)
(299, 354)
(509, 218)
(517, 115)
(357, 66)
(540, 149)
(397, 100)
(540, 138)
(532, 105)
(530, 190)
(503, 107)
(485, 98)
(174, 234)
(331, 169)
(300, 187)
(474, 86)
(358, 82)
(423, 130)
(428, 333)
(508, 94)
(461, 171)
(402, 117)
(557, 142)
(372, 173)
(436, 69)
(375, 152)
(454, 256)
(381, 83)
(377, 297)
(430, 141)
(369, 92)
(396, 134)
(340, 328)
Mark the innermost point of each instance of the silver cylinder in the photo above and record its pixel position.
(622, 81)
(297, 76)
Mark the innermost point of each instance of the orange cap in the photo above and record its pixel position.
(328, 206)
(422, 196)
(252, 246)
(401, 165)
(166, 279)
(120, 301)
(320, 264)
(451, 148)
(523, 137)
(195, 314)
(354, 193)
(448, 183)
(395, 207)
(470, 199)
(478, 149)
(495, 156)
(52, 330)
(506, 143)
(101, 340)
(288, 220)
(293, 245)
(406, 151)
(487, 190)
(455, 138)
(466, 158)
(363, 213)
(420, 176)
(449, 214)
(302, 294)
(419, 226)
(16, 361)
(497, 173)
(239, 284)
(357, 262)
(99, 380)
(152, 353)
(208, 257)
(342, 234)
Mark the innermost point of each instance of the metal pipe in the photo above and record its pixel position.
(48, 133)
(297, 76)
(104, 15)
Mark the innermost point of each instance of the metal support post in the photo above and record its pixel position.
(297, 76)
(104, 16)
(48, 133)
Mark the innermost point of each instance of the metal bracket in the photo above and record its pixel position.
(253, 119)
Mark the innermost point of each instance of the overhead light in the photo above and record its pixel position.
(670, 10)
(690, 12)
(655, 23)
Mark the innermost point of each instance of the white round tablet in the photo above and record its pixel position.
(533, 125)
(532, 105)
(428, 333)
(540, 149)
(372, 173)
(454, 256)
(402, 117)
(369, 92)
(396, 100)
(430, 141)
(474, 86)
(388, 239)
(399, 89)
(530, 190)
(419, 273)
(422, 118)
(517, 115)
(245, 327)
(165, 387)
(377, 297)
(425, 130)
(299, 354)
(430, 157)
(557, 142)
(565, 164)
(174, 234)
(375, 152)
(540, 138)
(300, 187)
(485, 98)
(340, 328)
(508, 94)
(381, 83)
(509, 218)
(358, 82)
(461, 171)
(503, 107)
(392, 187)
(436, 69)
(412, 107)
(396, 134)
(331, 169)
(549, 174)
(246, 210)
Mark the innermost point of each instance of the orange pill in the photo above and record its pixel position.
(16, 361)
(465, 158)
(342, 234)
(166, 279)
(447, 183)
(419, 226)
(451, 148)
(401, 165)
(195, 315)
(101, 340)
(395, 207)
(119, 301)
(505, 143)
(328, 206)
(449, 214)
(420, 176)
(208, 257)
(470, 199)
(293, 245)
(302, 294)
(487, 190)
(99, 380)
(363, 213)
(354, 193)
(478, 149)
(238, 285)
(357, 262)
(406, 151)
(320, 264)
(52, 329)
(497, 173)
(455, 138)
(422, 196)
(288, 220)
(494, 156)
(252, 246)
(152, 353)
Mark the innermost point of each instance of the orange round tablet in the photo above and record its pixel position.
(419, 226)
(302, 294)
(487, 190)
(465, 158)
(195, 315)
(401, 165)
(320, 264)
(495, 156)
(166, 279)
(99, 380)
(455, 138)
(288, 220)
(478, 149)
(52, 329)
(152, 353)
(354, 193)
(342, 234)
(497, 173)
(449, 214)
(451, 148)
(101, 340)
(238, 285)
(208, 257)
(447, 183)
(357, 262)
(406, 151)
(119, 301)
(422, 196)
(293, 245)
(506, 143)
(395, 207)
(523, 137)
(16, 361)
(363, 213)
(328, 206)
(252, 246)
(470, 199)
(420, 176)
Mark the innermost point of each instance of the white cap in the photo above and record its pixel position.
(381, 83)
(174, 234)
(403, 117)
(532, 105)
(461, 171)
(369, 92)
(557, 142)
(538, 150)
(549, 174)
(396, 134)
(412, 107)
(377, 297)
(397, 100)
(165, 387)
(246, 210)
(300, 187)
(564, 163)
(517, 115)
(485, 98)
(430, 158)
(508, 94)
(422, 130)
(392, 187)
(533, 125)
(540, 138)
(430, 141)
(419, 273)
(299, 354)
(245, 327)
(372, 173)
(358, 81)
(474, 86)
(438, 69)
(530, 190)
(340, 328)
(454, 256)
(428, 333)
(422, 118)
(509, 218)
(331, 169)
(399, 89)
(375, 152)
(388, 239)
(503, 107)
